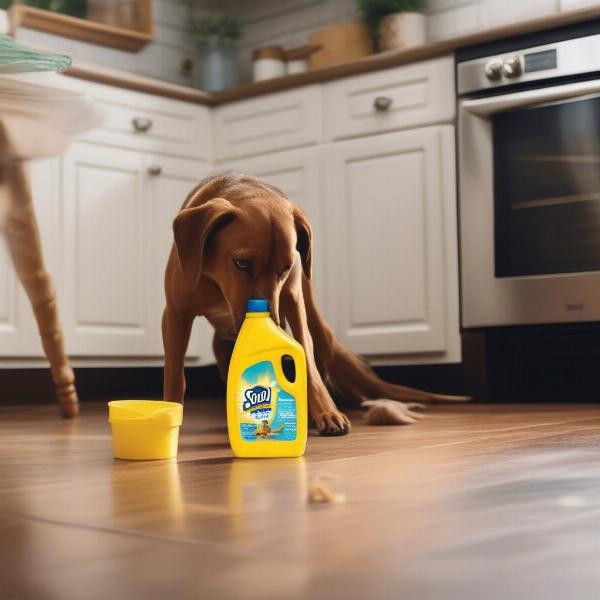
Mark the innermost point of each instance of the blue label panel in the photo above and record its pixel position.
(265, 411)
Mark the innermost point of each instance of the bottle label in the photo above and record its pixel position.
(266, 412)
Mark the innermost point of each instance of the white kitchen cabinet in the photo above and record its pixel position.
(378, 188)
(107, 276)
(19, 335)
(9, 315)
(119, 210)
(168, 182)
(138, 121)
(391, 243)
(298, 174)
(275, 122)
(404, 97)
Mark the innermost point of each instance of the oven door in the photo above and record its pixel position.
(530, 206)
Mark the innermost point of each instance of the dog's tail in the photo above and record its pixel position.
(351, 376)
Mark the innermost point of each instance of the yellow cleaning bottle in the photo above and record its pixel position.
(267, 414)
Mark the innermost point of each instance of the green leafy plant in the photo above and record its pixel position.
(372, 11)
(224, 30)
(74, 8)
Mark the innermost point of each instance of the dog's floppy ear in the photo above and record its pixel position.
(192, 229)
(304, 243)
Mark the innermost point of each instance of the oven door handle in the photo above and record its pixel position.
(485, 107)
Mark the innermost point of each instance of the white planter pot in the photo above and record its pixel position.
(401, 30)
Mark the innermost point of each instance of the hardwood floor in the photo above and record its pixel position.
(476, 501)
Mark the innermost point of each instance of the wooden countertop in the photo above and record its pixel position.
(375, 62)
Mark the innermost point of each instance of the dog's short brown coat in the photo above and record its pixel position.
(238, 238)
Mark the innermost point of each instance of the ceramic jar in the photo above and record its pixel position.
(268, 63)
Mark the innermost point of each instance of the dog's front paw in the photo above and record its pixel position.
(332, 423)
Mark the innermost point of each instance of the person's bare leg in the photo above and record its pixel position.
(25, 248)
(176, 330)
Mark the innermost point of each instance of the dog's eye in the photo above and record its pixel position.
(242, 264)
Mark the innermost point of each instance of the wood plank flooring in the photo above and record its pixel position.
(476, 501)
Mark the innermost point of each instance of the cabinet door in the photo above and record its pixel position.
(18, 330)
(106, 277)
(297, 174)
(389, 202)
(168, 182)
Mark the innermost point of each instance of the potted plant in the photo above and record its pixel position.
(215, 38)
(395, 23)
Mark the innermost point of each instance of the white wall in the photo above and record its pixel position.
(290, 22)
(161, 59)
(284, 22)
(447, 18)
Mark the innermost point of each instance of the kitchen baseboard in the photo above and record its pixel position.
(34, 386)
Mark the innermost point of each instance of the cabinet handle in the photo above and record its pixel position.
(382, 103)
(155, 170)
(141, 125)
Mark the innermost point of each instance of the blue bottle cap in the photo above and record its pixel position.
(257, 305)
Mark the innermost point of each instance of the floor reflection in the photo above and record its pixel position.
(259, 488)
(144, 492)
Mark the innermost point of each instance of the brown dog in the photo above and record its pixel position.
(238, 238)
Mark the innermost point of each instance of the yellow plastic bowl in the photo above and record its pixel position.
(145, 429)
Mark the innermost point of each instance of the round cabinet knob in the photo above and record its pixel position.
(155, 170)
(493, 69)
(382, 103)
(141, 125)
(512, 67)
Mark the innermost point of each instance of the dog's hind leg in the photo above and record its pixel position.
(329, 420)
(348, 374)
(222, 349)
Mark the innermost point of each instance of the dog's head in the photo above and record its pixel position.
(245, 236)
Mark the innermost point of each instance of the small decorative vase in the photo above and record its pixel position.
(401, 30)
(217, 66)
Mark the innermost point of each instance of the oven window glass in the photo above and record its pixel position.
(547, 189)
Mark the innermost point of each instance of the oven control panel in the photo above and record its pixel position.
(561, 59)
(540, 61)
(515, 65)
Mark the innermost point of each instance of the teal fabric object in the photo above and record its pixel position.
(40, 109)
(17, 59)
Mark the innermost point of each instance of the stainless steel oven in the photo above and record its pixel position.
(529, 185)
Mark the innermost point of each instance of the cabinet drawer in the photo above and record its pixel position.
(274, 122)
(149, 123)
(401, 98)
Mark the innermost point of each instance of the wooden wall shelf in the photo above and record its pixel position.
(87, 30)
